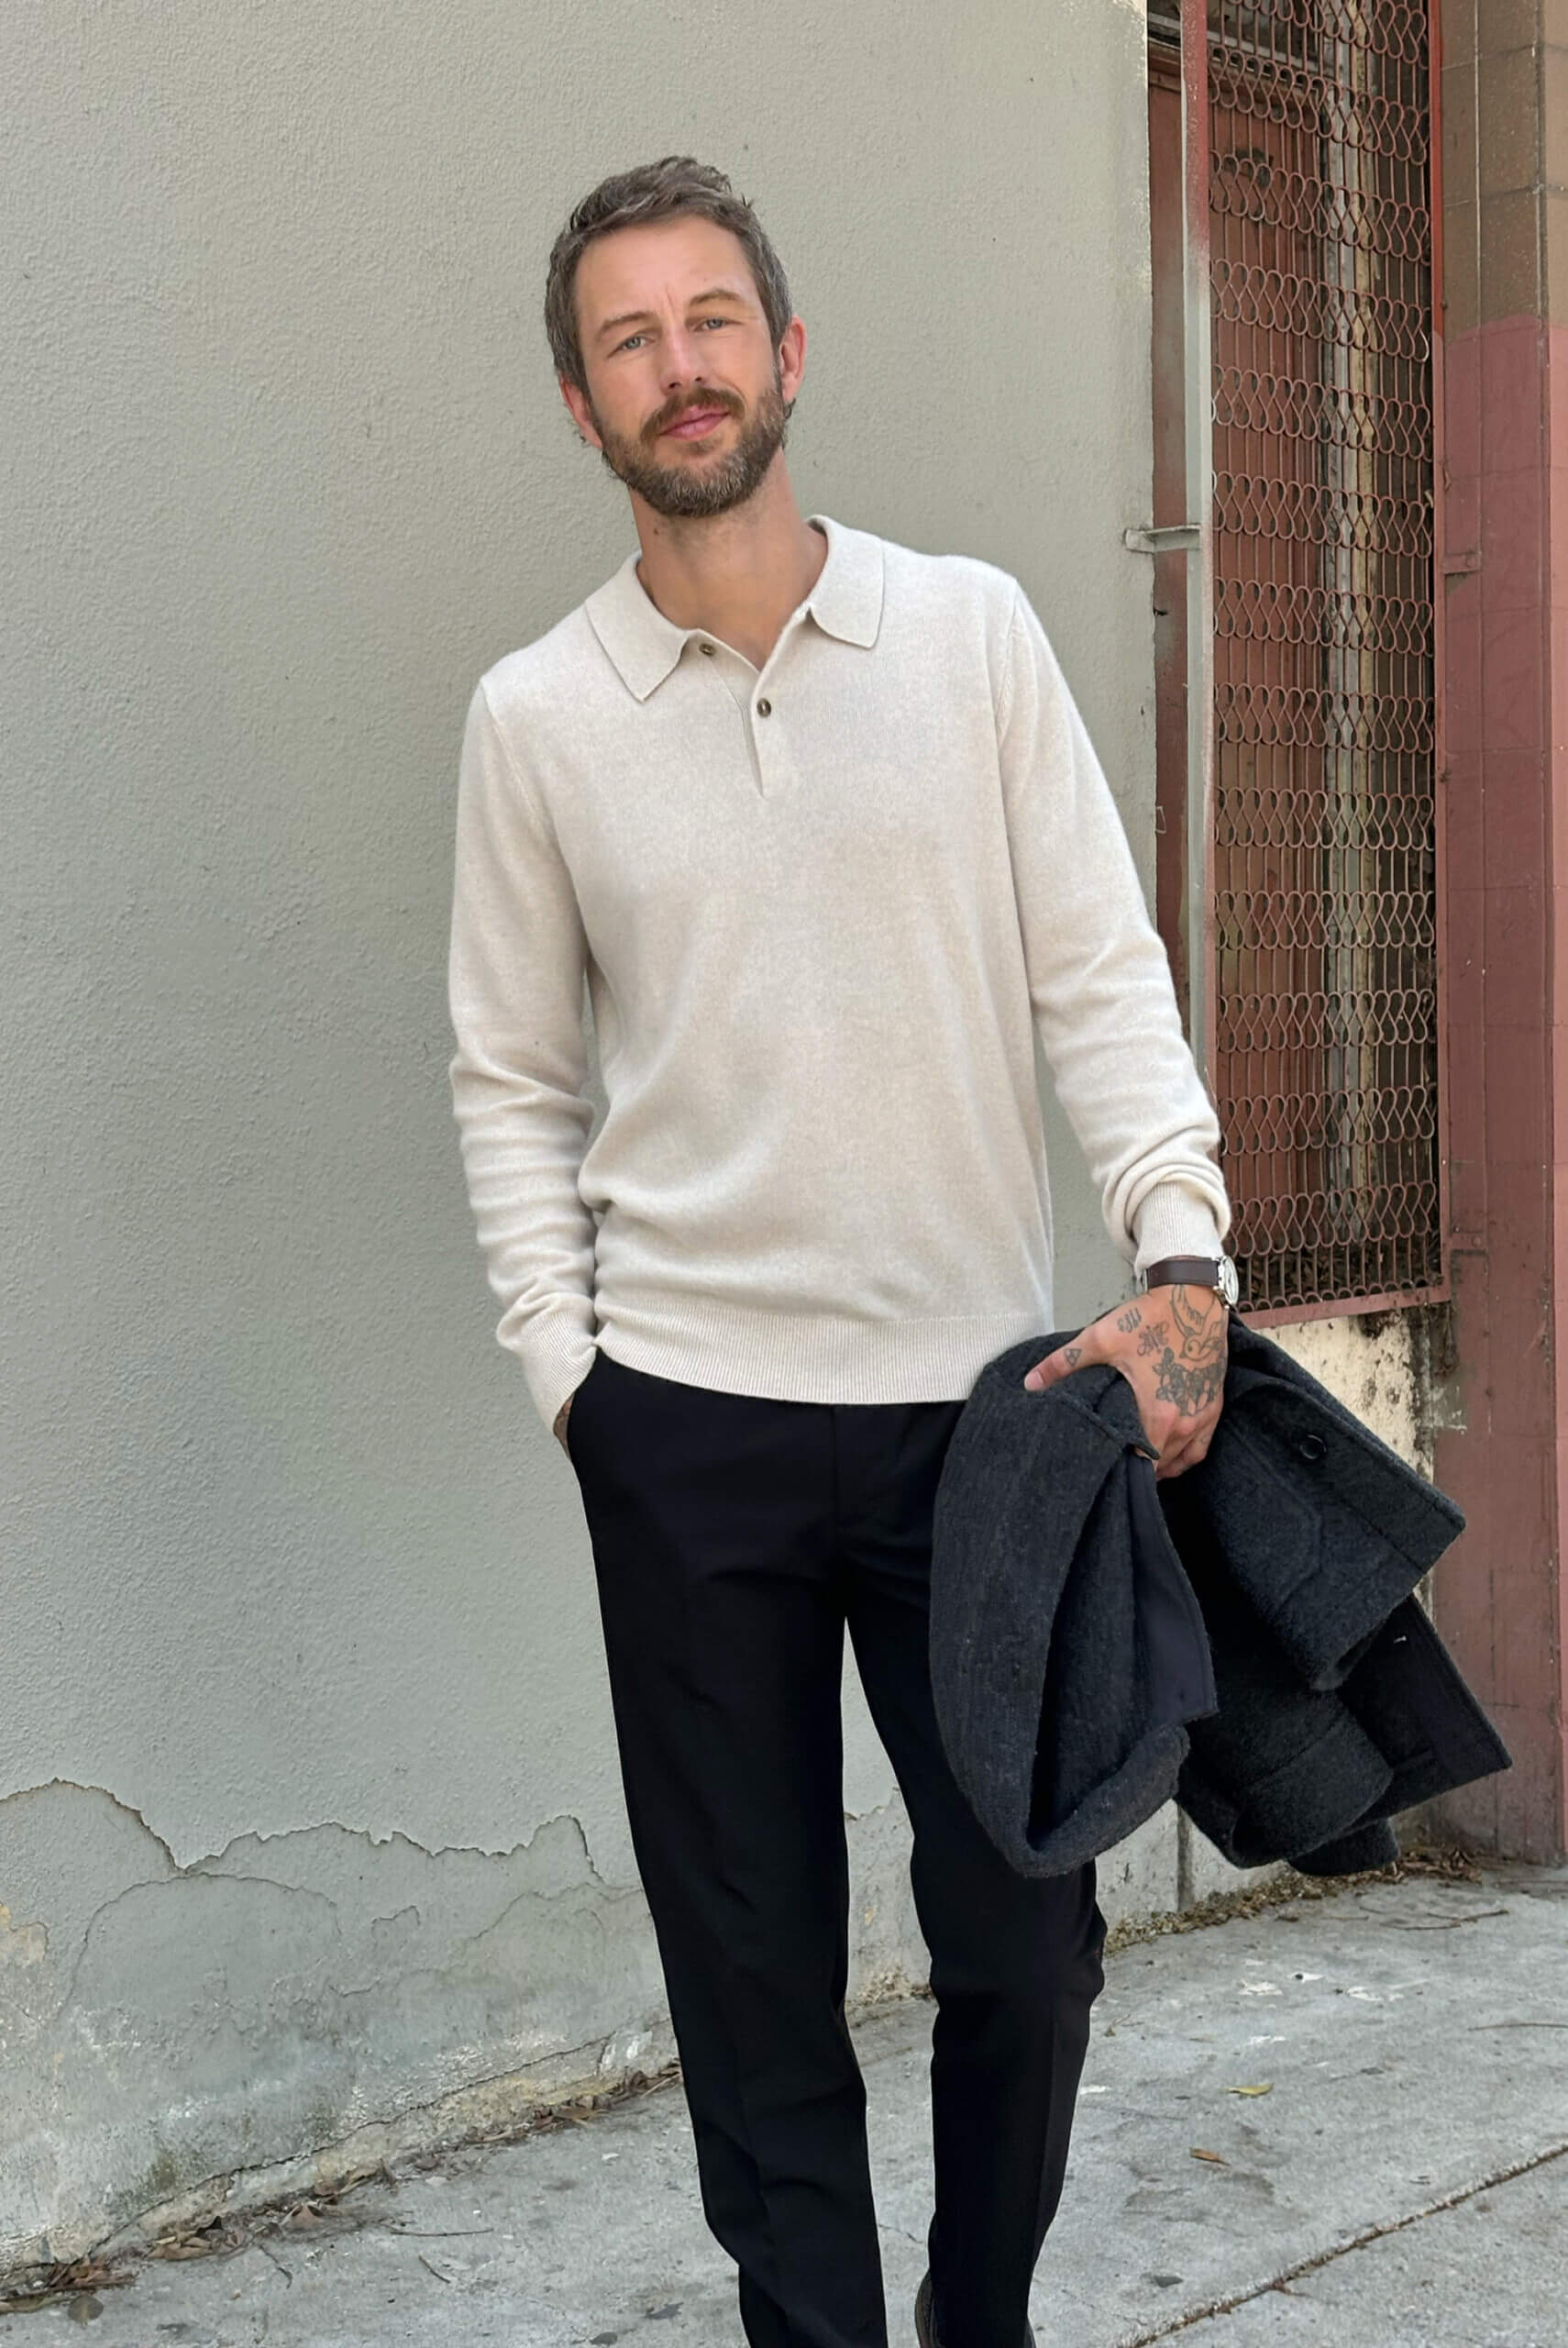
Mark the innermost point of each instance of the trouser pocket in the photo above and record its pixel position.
(574, 1416)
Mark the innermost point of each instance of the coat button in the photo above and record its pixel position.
(707, 648)
(1311, 1448)
(765, 709)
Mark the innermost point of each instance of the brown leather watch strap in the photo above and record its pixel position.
(1184, 1271)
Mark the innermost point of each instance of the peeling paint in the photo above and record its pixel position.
(20, 1944)
(1381, 1366)
(274, 2002)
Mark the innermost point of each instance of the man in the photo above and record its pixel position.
(817, 819)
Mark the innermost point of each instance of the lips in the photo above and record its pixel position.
(695, 423)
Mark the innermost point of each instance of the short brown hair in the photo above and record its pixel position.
(654, 191)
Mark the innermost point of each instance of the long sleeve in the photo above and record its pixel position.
(1100, 982)
(515, 990)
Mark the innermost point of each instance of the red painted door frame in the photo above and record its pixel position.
(1502, 682)
(1500, 691)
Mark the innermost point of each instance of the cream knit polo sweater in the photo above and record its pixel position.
(820, 909)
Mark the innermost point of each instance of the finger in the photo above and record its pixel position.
(1200, 1434)
(1199, 1448)
(1189, 1455)
(1063, 1362)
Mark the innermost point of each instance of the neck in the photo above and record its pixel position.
(739, 574)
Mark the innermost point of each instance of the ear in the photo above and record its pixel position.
(577, 403)
(792, 359)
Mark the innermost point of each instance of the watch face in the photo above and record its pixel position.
(1230, 1286)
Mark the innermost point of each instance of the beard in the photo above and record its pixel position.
(688, 491)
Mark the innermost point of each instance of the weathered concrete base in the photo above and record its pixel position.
(303, 2006)
(1340, 2122)
(181, 2031)
(294, 2012)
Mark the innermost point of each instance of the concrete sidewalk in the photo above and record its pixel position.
(1344, 2119)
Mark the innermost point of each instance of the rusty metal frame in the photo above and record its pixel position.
(1200, 563)
(1443, 1290)
(1361, 1131)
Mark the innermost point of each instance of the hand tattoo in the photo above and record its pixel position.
(1199, 1330)
(1194, 1380)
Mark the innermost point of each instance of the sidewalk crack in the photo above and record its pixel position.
(1282, 2281)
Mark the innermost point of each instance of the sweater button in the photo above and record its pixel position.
(765, 709)
(707, 648)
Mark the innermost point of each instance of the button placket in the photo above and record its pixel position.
(752, 706)
(769, 744)
(738, 679)
(756, 740)
(768, 731)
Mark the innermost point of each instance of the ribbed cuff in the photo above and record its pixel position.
(1174, 1221)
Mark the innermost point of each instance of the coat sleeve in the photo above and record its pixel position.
(1099, 982)
(515, 977)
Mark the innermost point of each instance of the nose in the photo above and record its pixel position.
(683, 361)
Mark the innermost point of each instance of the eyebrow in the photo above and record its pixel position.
(636, 317)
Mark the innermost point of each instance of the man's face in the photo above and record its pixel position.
(687, 399)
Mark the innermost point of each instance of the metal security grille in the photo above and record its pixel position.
(1325, 1033)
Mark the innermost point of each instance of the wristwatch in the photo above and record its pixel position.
(1196, 1271)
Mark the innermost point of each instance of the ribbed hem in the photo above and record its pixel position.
(556, 1345)
(810, 1358)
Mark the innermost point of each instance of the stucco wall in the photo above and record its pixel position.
(310, 1818)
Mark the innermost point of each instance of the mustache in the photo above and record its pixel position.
(673, 410)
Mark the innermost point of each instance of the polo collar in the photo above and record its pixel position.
(847, 602)
(847, 598)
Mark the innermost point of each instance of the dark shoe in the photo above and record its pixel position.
(925, 2319)
(925, 2329)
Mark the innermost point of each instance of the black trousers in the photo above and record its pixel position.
(733, 1537)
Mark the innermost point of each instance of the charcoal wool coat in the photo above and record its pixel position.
(1243, 1636)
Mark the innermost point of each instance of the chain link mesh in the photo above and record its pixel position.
(1325, 1067)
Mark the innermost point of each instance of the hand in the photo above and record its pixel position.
(558, 1430)
(1170, 1346)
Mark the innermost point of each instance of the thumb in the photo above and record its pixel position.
(1083, 1348)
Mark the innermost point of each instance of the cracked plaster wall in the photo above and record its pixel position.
(270, 2007)
(309, 1814)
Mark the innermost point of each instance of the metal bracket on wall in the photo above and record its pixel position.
(1172, 537)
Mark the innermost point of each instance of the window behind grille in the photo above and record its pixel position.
(1323, 956)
